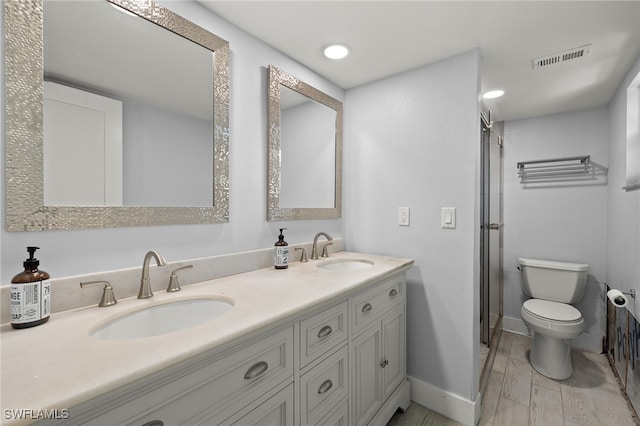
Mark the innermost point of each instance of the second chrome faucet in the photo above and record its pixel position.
(145, 282)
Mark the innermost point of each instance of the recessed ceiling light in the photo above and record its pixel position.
(492, 94)
(336, 51)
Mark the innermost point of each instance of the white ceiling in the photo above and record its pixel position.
(388, 37)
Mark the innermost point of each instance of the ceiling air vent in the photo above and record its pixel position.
(560, 57)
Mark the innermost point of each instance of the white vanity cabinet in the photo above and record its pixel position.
(341, 363)
(379, 350)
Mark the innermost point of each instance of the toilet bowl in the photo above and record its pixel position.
(552, 325)
(549, 315)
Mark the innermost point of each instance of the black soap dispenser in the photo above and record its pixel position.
(30, 294)
(281, 259)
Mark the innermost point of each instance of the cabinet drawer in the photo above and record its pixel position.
(323, 387)
(275, 411)
(322, 332)
(243, 374)
(340, 417)
(374, 302)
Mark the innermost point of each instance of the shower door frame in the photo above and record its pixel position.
(491, 220)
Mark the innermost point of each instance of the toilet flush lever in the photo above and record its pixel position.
(173, 280)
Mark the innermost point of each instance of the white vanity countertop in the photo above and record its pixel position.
(57, 365)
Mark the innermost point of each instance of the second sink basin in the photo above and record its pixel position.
(161, 319)
(345, 264)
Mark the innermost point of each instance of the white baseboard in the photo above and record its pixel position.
(446, 403)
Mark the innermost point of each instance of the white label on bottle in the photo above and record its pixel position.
(282, 256)
(30, 301)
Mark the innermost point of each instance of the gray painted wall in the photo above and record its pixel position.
(413, 140)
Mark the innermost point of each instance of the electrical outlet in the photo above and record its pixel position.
(403, 216)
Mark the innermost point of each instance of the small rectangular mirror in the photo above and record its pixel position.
(304, 151)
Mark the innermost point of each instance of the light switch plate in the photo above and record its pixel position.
(449, 217)
(403, 216)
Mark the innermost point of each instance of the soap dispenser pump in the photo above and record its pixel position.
(281, 259)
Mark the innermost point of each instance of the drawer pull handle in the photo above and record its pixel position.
(393, 292)
(257, 369)
(154, 423)
(367, 307)
(325, 331)
(325, 386)
(384, 363)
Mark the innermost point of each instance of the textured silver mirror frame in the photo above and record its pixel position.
(24, 206)
(278, 77)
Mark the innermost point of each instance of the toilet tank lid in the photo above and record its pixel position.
(552, 264)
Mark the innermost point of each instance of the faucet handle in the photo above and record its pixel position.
(325, 252)
(108, 298)
(303, 256)
(173, 280)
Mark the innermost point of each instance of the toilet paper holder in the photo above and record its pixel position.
(618, 297)
(631, 292)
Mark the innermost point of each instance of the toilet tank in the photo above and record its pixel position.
(562, 282)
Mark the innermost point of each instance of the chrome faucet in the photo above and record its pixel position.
(314, 249)
(145, 283)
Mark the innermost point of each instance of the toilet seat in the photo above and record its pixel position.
(547, 310)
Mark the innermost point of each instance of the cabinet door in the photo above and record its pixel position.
(367, 377)
(393, 350)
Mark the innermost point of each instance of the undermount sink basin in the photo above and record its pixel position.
(345, 264)
(161, 319)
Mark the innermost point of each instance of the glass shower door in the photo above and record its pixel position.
(491, 230)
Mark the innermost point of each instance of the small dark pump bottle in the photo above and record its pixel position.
(281, 260)
(30, 294)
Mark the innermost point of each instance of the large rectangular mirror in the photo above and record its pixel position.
(117, 115)
(304, 150)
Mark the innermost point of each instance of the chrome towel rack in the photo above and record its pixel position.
(555, 167)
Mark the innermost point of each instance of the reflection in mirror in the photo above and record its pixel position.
(305, 150)
(162, 85)
(156, 88)
(307, 132)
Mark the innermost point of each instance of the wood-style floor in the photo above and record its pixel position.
(517, 395)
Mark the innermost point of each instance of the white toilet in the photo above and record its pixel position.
(552, 286)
